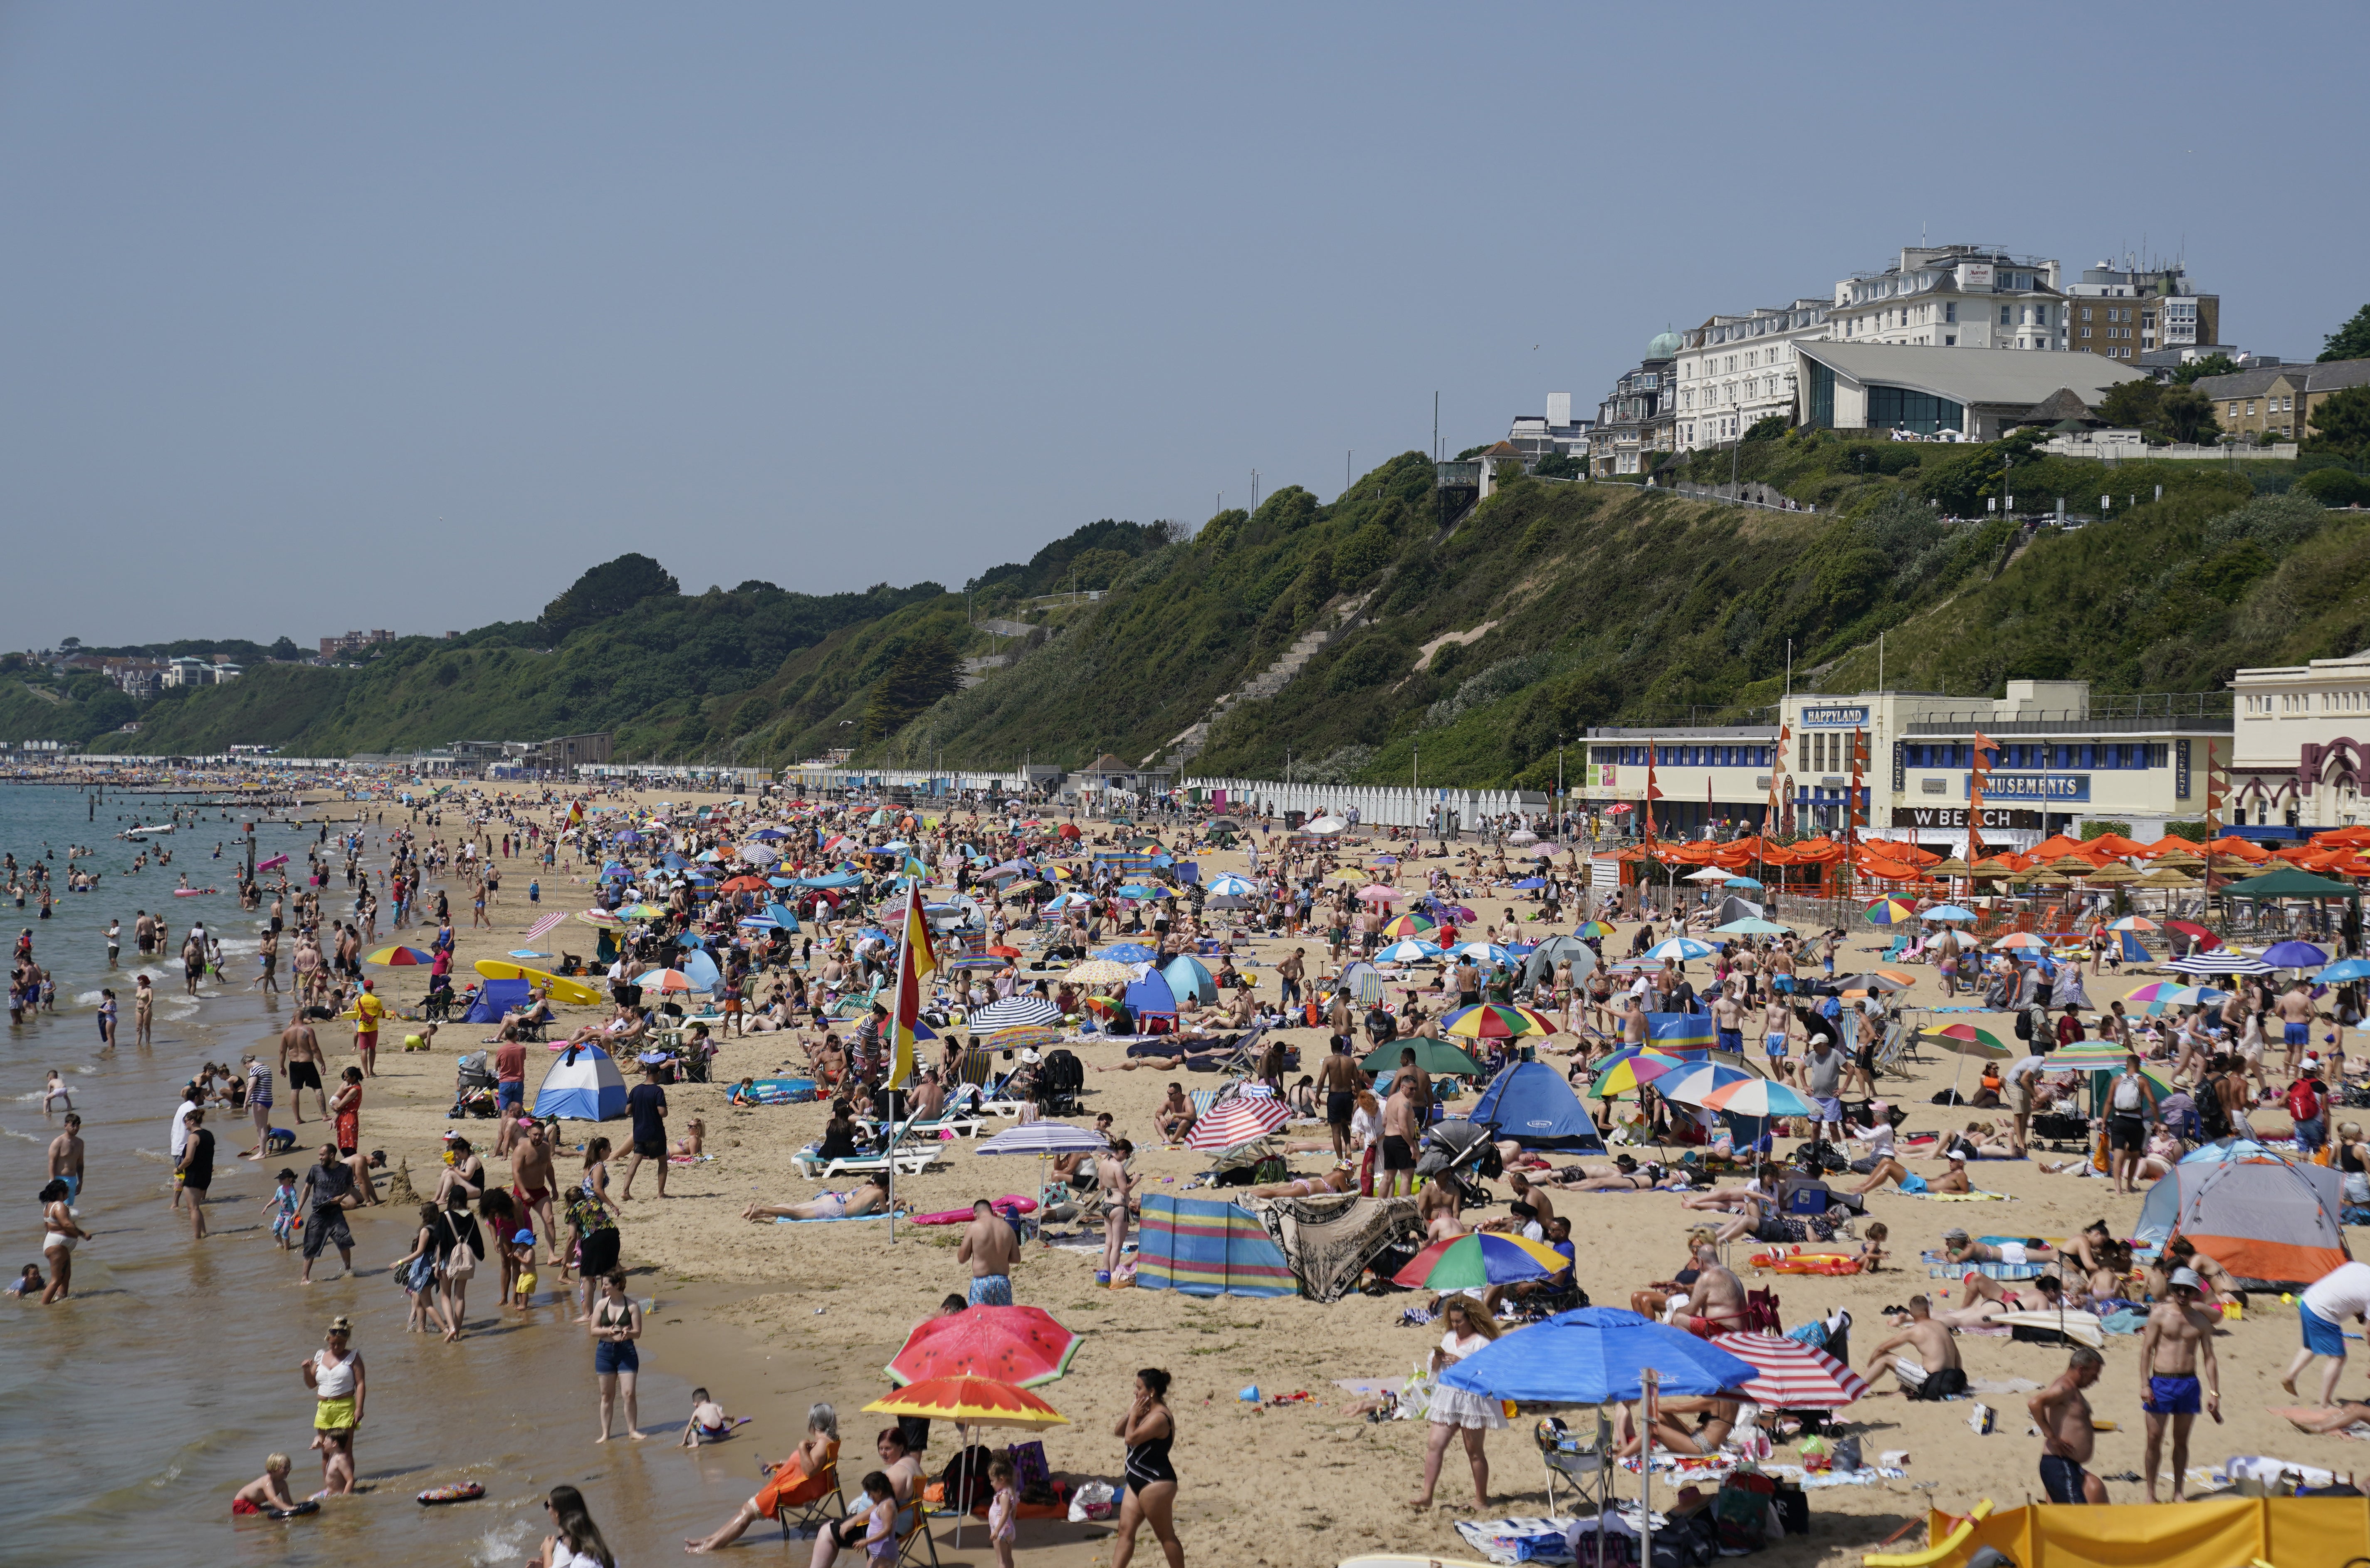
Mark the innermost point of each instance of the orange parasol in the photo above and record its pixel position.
(970, 1401)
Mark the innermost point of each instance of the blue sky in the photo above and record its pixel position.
(326, 317)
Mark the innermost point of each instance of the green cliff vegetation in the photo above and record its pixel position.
(1462, 650)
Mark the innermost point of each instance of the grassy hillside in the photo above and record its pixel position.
(659, 673)
(1550, 608)
(1554, 607)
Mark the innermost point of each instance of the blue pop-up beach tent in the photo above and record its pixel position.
(1151, 998)
(1530, 1102)
(582, 1085)
(1186, 976)
(496, 998)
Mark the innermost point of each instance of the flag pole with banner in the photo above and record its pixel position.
(916, 958)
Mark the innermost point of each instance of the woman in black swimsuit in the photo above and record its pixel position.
(1148, 1429)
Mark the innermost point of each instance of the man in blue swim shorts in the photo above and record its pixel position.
(991, 1246)
(2176, 1346)
(2327, 1304)
(2062, 1411)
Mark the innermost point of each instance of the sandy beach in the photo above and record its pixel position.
(794, 1311)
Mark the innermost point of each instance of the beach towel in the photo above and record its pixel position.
(1519, 1539)
(835, 1219)
(1329, 1241)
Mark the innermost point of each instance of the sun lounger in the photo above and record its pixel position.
(907, 1162)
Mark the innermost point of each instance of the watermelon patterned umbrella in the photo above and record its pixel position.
(1019, 1346)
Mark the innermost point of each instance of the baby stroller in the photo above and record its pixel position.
(1459, 1154)
(1060, 1079)
(473, 1087)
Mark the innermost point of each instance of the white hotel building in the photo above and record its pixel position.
(1734, 370)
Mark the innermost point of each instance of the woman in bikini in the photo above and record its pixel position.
(59, 1235)
(1337, 1180)
(869, 1199)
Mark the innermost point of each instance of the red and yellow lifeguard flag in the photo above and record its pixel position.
(917, 957)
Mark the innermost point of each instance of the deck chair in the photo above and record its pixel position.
(817, 1501)
(1900, 946)
(1892, 1052)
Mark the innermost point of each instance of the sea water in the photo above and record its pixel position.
(131, 1413)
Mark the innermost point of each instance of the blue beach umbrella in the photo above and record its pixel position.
(1596, 1355)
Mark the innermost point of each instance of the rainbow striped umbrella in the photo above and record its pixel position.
(1404, 926)
(1482, 1259)
(1890, 911)
(1758, 1097)
(1030, 1037)
(2172, 993)
(1967, 1040)
(1587, 929)
(1496, 1020)
(400, 957)
(1628, 1072)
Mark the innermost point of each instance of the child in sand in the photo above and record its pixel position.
(708, 1424)
(267, 1491)
(1003, 1512)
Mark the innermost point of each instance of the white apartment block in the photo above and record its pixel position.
(1734, 370)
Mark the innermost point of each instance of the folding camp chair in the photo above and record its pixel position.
(814, 1504)
(916, 1548)
(1761, 1313)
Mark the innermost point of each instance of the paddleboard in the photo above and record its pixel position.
(1408, 1560)
(192, 892)
(306, 1507)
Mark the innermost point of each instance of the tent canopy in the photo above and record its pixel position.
(1530, 1102)
(2288, 882)
(2272, 1222)
(1152, 998)
(582, 1085)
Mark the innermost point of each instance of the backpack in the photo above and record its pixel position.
(2212, 1116)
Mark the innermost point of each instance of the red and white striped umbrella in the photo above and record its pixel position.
(1789, 1374)
(1233, 1122)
